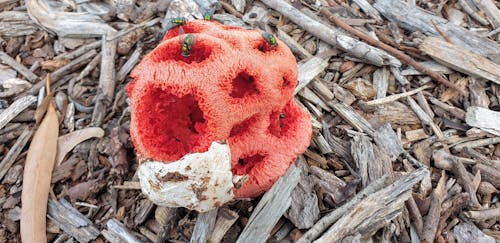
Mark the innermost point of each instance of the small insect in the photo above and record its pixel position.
(207, 16)
(187, 45)
(271, 40)
(172, 23)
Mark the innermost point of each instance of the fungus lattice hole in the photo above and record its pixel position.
(171, 126)
(280, 122)
(263, 46)
(244, 85)
(243, 126)
(286, 83)
(172, 52)
(246, 164)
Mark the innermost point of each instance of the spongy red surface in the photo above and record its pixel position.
(232, 86)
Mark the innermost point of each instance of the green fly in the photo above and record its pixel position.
(271, 40)
(172, 23)
(187, 45)
(209, 14)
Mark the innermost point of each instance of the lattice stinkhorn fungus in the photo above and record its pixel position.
(233, 85)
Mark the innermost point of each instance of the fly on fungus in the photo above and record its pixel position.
(187, 45)
(271, 40)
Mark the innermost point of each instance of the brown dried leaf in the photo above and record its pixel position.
(68, 141)
(36, 179)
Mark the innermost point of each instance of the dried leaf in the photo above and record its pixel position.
(36, 179)
(68, 141)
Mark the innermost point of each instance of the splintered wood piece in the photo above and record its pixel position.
(376, 210)
(304, 210)
(431, 221)
(395, 97)
(15, 108)
(204, 226)
(353, 118)
(461, 60)
(270, 208)
(364, 156)
(387, 140)
(468, 232)
(481, 215)
(308, 70)
(484, 119)
(491, 11)
(118, 233)
(67, 24)
(225, 219)
(369, 10)
(326, 221)
(416, 19)
(71, 221)
(18, 67)
(333, 36)
(416, 135)
(426, 119)
(14, 152)
(107, 80)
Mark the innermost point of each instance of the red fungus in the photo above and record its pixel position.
(231, 86)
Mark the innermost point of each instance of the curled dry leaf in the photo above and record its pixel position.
(67, 142)
(36, 180)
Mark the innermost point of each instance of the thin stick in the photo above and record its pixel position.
(395, 97)
(230, 9)
(397, 53)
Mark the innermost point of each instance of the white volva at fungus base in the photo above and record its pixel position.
(198, 181)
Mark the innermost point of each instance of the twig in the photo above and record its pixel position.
(395, 97)
(231, 9)
(18, 67)
(403, 57)
(446, 37)
(484, 214)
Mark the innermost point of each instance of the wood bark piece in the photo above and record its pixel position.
(71, 221)
(66, 24)
(332, 36)
(484, 119)
(326, 221)
(376, 210)
(308, 70)
(15, 108)
(304, 210)
(14, 152)
(36, 179)
(468, 232)
(29, 75)
(64, 70)
(353, 118)
(16, 23)
(107, 80)
(270, 208)
(488, 173)
(225, 219)
(118, 233)
(491, 11)
(431, 221)
(416, 19)
(387, 140)
(204, 226)
(369, 10)
(481, 215)
(364, 155)
(395, 52)
(461, 60)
